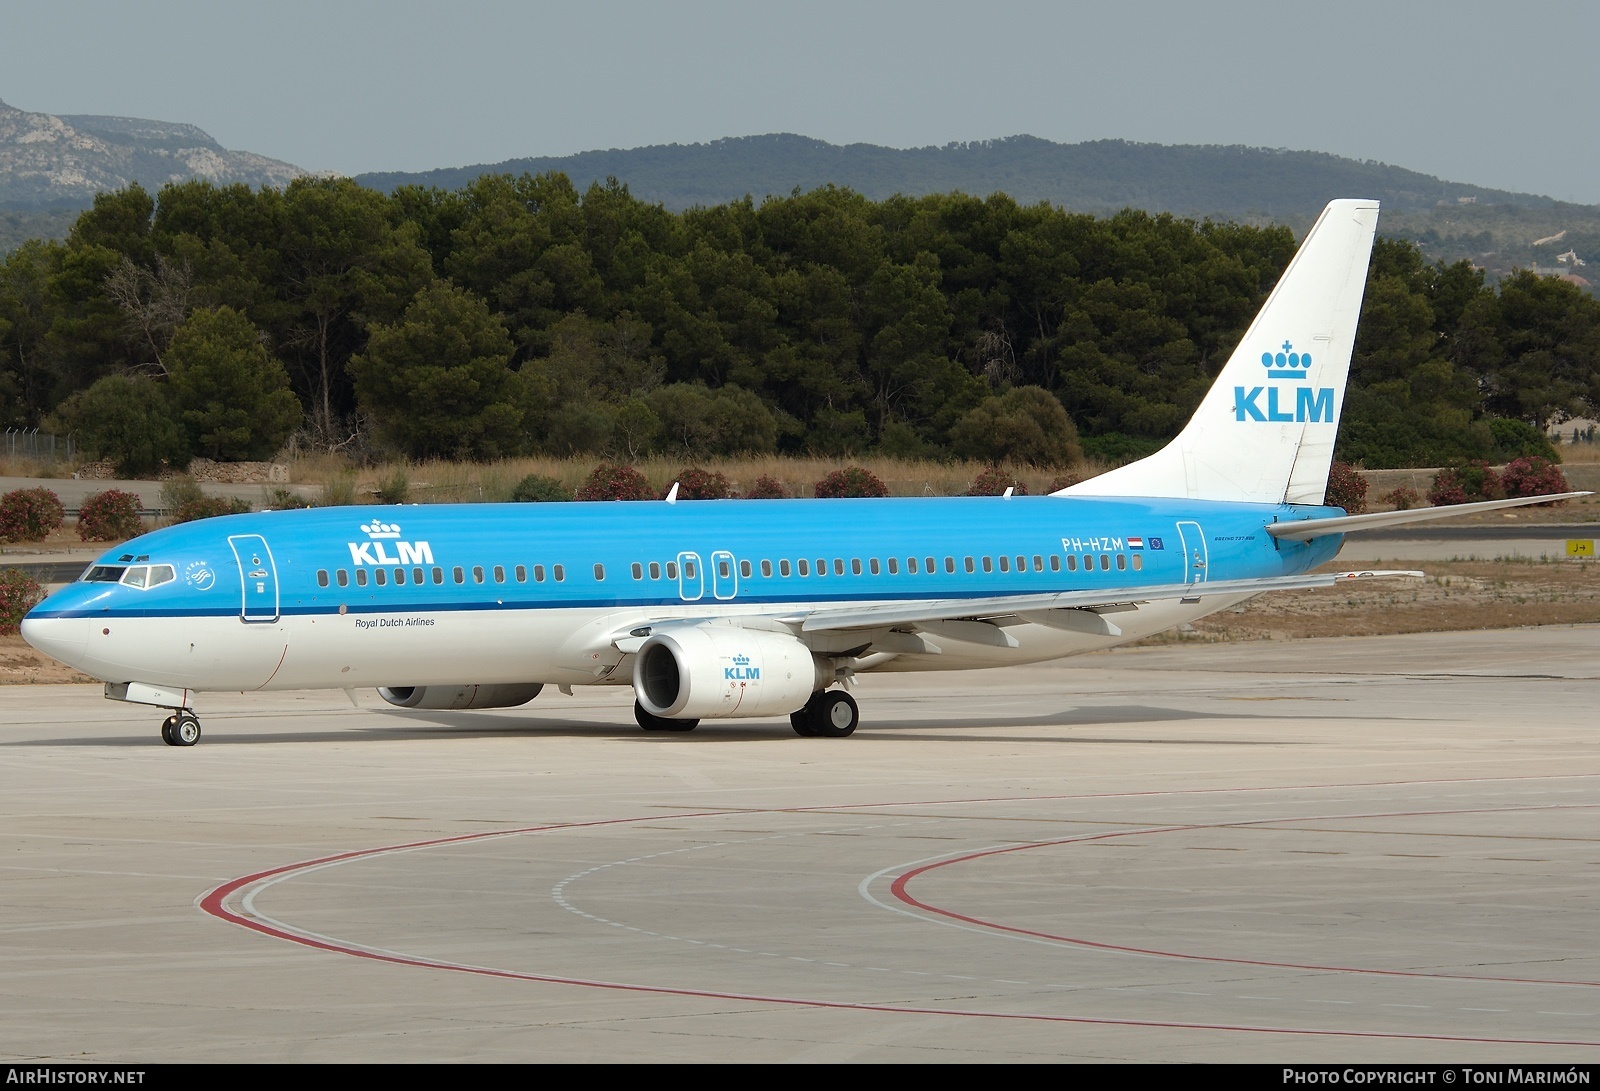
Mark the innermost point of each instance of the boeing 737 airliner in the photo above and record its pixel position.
(746, 609)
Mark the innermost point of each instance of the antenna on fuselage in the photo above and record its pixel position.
(672, 494)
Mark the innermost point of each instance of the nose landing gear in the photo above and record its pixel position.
(181, 729)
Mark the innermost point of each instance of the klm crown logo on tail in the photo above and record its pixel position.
(1311, 404)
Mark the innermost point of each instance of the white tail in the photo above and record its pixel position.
(1264, 432)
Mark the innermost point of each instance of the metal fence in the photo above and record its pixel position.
(36, 445)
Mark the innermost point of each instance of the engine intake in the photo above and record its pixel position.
(721, 671)
(461, 697)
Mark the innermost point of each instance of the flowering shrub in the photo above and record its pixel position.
(609, 482)
(994, 481)
(19, 593)
(1465, 483)
(1533, 476)
(767, 487)
(537, 489)
(29, 515)
(1061, 481)
(697, 484)
(1403, 498)
(851, 481)
(109, 516)
(1347, 489)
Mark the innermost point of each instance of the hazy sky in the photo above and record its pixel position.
(1488, 93)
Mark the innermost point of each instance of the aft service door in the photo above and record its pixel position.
(1195, 554)
(724, 576)
(691, 580)
(258, 574)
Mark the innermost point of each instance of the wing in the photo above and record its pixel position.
(936, 610)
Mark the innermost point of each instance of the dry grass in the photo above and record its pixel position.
(447, 482)
(1457, 595)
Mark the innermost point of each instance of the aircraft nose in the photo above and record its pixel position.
(64, 639)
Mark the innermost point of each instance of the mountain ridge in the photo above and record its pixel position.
(63, 160)
(1098, 176)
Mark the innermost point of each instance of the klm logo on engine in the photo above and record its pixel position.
(376, 552)
(1311, 404)
(741, 671)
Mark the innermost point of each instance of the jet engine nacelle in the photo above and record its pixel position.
(717, 671)
(460, 697)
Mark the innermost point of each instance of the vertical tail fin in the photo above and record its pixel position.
(1264, 432)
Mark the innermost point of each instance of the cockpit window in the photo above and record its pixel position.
(135, 577)
(144, 576)
(160, 574)
(103, 573)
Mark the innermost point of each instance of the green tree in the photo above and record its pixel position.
(233, 398)
(128, 420)
(1024, 425)
(437, 383)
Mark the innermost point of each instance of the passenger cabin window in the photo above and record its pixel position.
(522, 573)
(399, 576)
(655, 570)
(1072, 562)
(322, 577)
(1055, 562)
(1122, 562)
(783, 567)
(822, 566)
(477, 573)
(722, 569)
(988, 565)
(458, 575)
(931, 568)
(766, 568)
(688, 570)
(538, 573)
(838, 566)
(438, 576)
(499, 573)
(872, 565)
(1005, 565)
(361, 577)
(950, 564)
(1105, 562)
(343, 577)
(638, 570)
(380, 576)
(560, 572)
(805, 568)
(744, 569)
(599, 572)
(911, 565)
(855, 566)
(418, 577)
(1138, 562)
(1038, 563)
(970, 566)
(672, 570)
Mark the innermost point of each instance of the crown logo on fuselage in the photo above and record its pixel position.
(376, 530)
(1287, 364)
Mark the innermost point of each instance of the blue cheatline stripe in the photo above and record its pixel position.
(469, 606)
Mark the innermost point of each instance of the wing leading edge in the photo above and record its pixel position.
(943, 610)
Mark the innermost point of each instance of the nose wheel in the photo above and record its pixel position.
(181, 729)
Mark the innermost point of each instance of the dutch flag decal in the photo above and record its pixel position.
(1135, 543)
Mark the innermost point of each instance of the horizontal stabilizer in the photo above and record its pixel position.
(1303, 530)
(937, 610)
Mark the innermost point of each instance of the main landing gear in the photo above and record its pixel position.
(182, 728)
(651, 722)
(831, 714)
